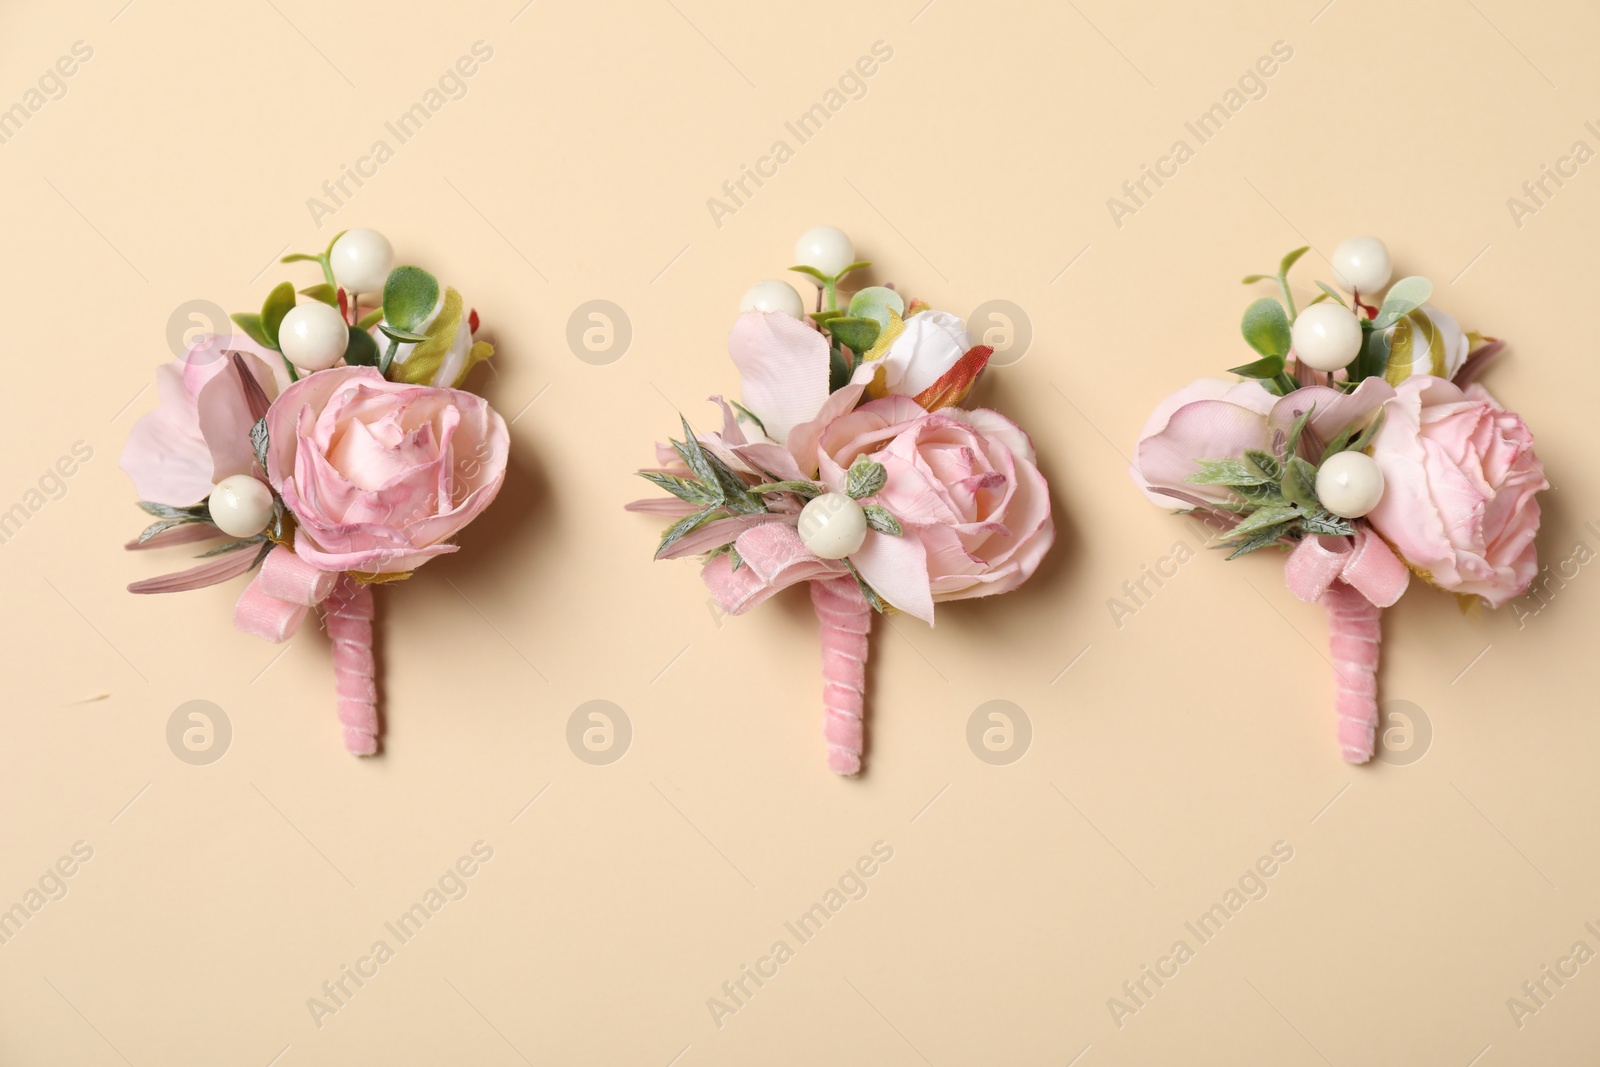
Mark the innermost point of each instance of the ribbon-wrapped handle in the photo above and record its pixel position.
(846, 619)
(349, 622)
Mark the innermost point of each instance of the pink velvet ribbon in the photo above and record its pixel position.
(845, 618)
(1354, 578)
(276, 602)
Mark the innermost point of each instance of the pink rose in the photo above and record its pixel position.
(199, 432)
(379, 474)
(1460, 484)
(973, 508)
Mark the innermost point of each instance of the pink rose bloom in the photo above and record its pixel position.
(199, 432)
(973, 507)
(1460, 483)
(1215, 419)
(379, 474)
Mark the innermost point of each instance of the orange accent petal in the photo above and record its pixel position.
(954, 385)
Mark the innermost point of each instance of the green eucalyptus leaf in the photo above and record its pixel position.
(250, 323)
(879, 519)
(686, 525)
(820, 317)
(322, 291)
(864, 478)
(279, 303)
(1326, 524)
(1404, 297)
(1299, 484)
(1263, 518)
(395, 333)
(805, 489)
(361, 350)
(409, 297)
(1266, 328)
(1291, 259)
(1258, 495)
(856, 334)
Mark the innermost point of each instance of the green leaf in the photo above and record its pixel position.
(1265, 462)
(857, 334)
(848, 267)
(1262, 518)
(824, 315)
(300, 257)
(805, 489)
(322, 291)
(165, 525)
(682, 488)
(1297, 429)
(279, 303)
(250, 323)
(1260, 539)
(686, 525)
(879, 519)
(1324, 523)
(1405, 296)
(840, 367)
(167, 511)
(875, 302)
(1266, 327)
(1299, 484)
(695, 457)
(1259, 495)
(879, 605)
(1228, 472)
(395, 333)
(812, 272)
(864, 478)
(371, 319)
(1251, 279)
(361, 350)
(409, 297)
(1266, 367)
(259, 442)
(1360, 443)
(1291, 259)
(1331, 293)
(735, 560)
(232, 546)
(747, 413)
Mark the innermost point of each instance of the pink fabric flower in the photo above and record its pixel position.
(199, 432)
(1460, 484)
(1215, 419)
(973, 507)
(379, 474)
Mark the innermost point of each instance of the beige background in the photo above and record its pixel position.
(1175, 751)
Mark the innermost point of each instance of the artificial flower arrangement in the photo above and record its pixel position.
(333, 447)
(1361, 442)
(848, 464)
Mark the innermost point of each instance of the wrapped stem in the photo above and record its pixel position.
(846, 619)
(350, 614)
(1353, 636)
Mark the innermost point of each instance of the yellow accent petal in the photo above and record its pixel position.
(424, 361)
(876, 389)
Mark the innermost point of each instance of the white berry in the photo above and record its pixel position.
(825, 248)
(240, 505)
(313, 336)
(1362, 263)
(773, 296)
(1327, 336)
(362, 260)
(832, 526)
(1349, 484)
